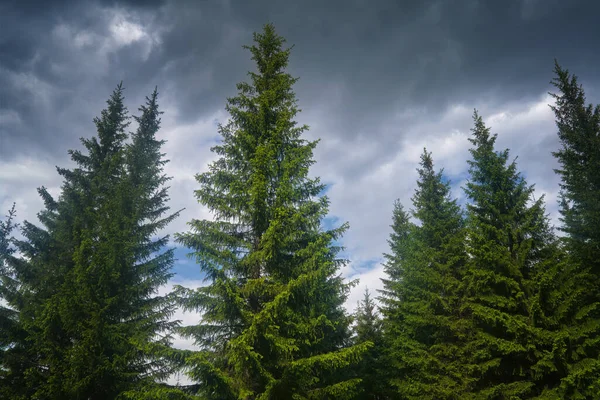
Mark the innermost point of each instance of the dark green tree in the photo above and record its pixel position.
(8, 316)
(89, 277)
(273, 324)
(10, 333)
(368, 328)
(422, 293)
(579, 312)
(510, 248)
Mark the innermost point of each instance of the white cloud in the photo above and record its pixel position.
(19, 180)
(368, 279)
(122, 29)
(125, 32)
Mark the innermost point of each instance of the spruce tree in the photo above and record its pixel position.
(7, 316)
(10, 332)
(510, 251)
(579, 312)
(273, 324)
(89, 277)
(421, 296)
(368, 328)
(35, 276)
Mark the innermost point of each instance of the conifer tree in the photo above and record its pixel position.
(368, 328)
(422, 294)
(508, 243)
(579, 312)
(7, 316)
(273, 324)
(10, 334)
(89, 276)
(34, 277)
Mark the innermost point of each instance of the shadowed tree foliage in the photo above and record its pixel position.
(578, 339)
(13, 356)
(273, 322)
(95, 325)
(510, 248)
(368, 328)
(422, 293)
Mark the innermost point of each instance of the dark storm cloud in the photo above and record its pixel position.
(48, 93)
(423, 51)
(377, 56)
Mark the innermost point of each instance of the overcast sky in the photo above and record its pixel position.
(379, 80)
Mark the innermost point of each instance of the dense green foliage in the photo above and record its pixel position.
(421, 297)
(273, 323)
(91, 322)
(507, 241)
(481, 301)
(579, 313)
(368, 328)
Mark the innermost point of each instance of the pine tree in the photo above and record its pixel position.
(273, 323)
(579, 312)
(422, 296)
(510, 249)
(89, 276)
(368, 328)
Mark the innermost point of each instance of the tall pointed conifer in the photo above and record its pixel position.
(273, 323)
(508, 238)
(368, 328)
(422, 292)
(89, 276)
(579, 158)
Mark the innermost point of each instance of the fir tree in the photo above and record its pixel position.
(89, 276)
(368, 328)
(579, 312)
(423, 325)
(273, 323)
(10, 332)
(509, 244)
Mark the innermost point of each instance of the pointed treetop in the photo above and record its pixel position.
(112, 123)
(426, 160)
(481, 133)
(149, 120)
(268, 52)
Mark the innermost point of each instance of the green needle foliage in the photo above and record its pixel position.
(273, 323)
(12, 355)
(421, 296)
(368, 328)
(88, 278)
(509, 244)
(579, 157)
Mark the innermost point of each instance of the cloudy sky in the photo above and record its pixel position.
(379, 80)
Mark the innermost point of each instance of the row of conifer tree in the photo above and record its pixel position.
(486, 301)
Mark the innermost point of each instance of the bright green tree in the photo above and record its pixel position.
(579, 312)
(273, 323)
(422, 292)
(510, 248)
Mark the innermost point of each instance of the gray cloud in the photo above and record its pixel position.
(378, 56)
